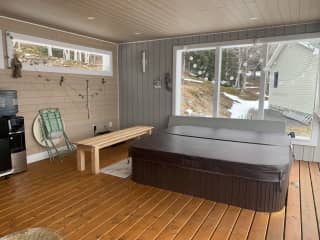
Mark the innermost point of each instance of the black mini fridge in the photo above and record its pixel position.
(13, 157)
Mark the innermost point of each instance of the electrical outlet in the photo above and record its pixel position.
(94, 127)
(110, 124)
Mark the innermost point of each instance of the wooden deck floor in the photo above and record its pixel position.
(82, 206)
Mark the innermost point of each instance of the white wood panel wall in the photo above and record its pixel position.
(307, 153)
(37, 90)
(35, 93)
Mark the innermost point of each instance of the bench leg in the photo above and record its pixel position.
(95, 168)
(81, 160)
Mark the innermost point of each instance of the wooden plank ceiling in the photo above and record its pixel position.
(130, 20)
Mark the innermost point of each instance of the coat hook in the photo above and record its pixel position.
(61, 80)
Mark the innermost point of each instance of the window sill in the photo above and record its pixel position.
(67, 71)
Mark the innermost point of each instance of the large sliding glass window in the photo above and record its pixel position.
(272, 81)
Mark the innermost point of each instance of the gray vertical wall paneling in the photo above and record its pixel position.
(169, 68)
(235, 36)
(195, 39)
(290, 30)
(121, 83)
(139, 84)
(142, 104)
(157, 91)
(124, 86)
(162, 71)
(203, 39)
(135, 86)
(129, 88)
(131, 93)
(145, 88)
(226, 37)
(314, 27)
(150, 83)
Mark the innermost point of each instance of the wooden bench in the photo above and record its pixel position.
(94, 144)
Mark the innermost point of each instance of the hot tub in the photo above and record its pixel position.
(243, 168)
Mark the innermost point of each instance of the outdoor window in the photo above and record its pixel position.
(39, 54)
(292, 96)
(272, 81)
(197, 83)
(240, 82)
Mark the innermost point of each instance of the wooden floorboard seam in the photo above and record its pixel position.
(284, 224)
(254, 216)
(235, 231)
(167, 223)
(234, 225)
(45, 185)
(81, 235)
(75, 200)
(314, 198)
(37, 189)
(73, 223)
(199, 225)
(48, 194)
(30, 210)
(111, 234)
(204, 220)
(110, 191)
(267, 230)
(127, 216)
(300, 198)
(218, 222)
(187, 219)
(131, 236)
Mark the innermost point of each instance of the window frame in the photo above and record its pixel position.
(60, 45)
(177, 56)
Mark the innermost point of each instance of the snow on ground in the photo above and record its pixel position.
(240, 107)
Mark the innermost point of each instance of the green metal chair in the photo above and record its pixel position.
(52, 128)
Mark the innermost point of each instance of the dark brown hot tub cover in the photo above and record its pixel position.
(251, 155)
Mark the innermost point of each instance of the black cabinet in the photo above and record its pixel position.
(12, 144)
(5, 157)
